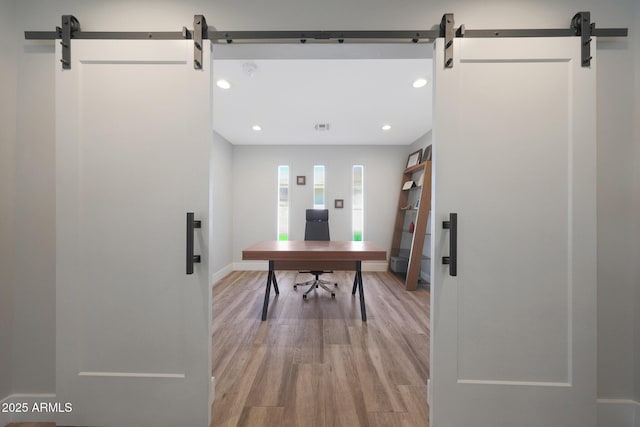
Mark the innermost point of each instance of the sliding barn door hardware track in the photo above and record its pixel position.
(199, 34)
(70, 26)
(447, 32)
(581, 26)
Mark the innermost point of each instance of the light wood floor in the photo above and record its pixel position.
(314, 363)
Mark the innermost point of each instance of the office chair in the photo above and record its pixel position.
(316, 228)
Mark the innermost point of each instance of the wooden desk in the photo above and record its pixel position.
(314, 255)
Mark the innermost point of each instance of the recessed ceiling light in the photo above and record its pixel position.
(419, 82)
(256, 128)
(386, 127)
(223, 84)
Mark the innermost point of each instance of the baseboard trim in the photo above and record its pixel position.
(220, 274)
(31, 401)
(212, 391)
(618, 413)
(264, 266)
(375, 265)
(426, 277)
(251, 266)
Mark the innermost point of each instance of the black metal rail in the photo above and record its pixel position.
(581, 26)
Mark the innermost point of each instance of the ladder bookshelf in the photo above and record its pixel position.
(408, 241)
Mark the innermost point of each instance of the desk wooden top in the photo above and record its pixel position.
(299, 250)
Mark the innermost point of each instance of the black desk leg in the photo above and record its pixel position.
(355, 284)
(270, 277)
(273, 279)
(363, 309)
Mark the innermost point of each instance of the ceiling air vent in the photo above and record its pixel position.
(322, 126)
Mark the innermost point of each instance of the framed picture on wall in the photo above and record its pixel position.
(427, 153)
(301, 180)
(338, 203)
(414, 158)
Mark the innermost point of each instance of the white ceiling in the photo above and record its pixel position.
(356, 90)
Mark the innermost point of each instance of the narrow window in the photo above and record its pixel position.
(283, 202)
(357, 203)
(318, 187)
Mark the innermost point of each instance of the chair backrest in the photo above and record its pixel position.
(317, 225)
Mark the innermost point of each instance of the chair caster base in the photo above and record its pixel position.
(304, 297)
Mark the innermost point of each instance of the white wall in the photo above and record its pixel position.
(425, 267)
(221, 214)
(636, 209)
(7, 190)
(255, 190)
(34, 285)
(618, 275)
(421, 142)
(615, 218)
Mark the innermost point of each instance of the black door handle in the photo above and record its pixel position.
(191, 258)
(452, 259)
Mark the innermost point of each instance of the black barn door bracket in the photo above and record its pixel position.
(447, 32)
(69, 26)
(71, 30)
(581, 23)
(199, 34)
(581, 26)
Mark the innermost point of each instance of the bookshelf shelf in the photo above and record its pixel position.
(419, 216)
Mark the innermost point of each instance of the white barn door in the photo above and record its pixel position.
(133, 137)
(514, 332)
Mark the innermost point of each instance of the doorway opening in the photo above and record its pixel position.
(339, 106)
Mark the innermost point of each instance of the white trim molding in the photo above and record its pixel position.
(24, 408)
(375, 265)
(212, 391)
(618, 413)
(220, 274)
(425, 277)
(132, 375)
(251, 266)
